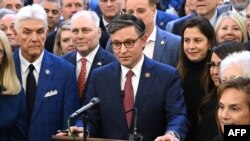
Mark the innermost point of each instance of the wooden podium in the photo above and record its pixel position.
(68, 138)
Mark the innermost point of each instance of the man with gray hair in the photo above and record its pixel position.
(235, 65)
(89, 54)
(49, 82)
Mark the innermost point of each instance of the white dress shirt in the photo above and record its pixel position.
(90, 58)
(150, 44)
(136, 77)
(25, 68)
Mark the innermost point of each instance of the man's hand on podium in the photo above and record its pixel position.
(77, 131)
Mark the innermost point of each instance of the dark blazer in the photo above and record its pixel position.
(166, 49)
(105, 36)
(247, 45)
(225, 7)
(159, 101)
(218, 138)
(13, 122)
(50, 41)
(176, 26)
(102, 57)
(162, 18)
(56, 96)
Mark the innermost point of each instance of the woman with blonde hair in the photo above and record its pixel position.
(231, 26)
(63, 41)
(13, 122)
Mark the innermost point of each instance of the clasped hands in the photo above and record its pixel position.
(73, 130)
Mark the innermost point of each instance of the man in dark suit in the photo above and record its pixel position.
(109, 9)
(161, 45)
(238, 6)
(205, 8)
(85, 34)
(155, 92)
(54, 89)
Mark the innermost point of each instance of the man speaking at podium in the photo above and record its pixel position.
(135, 87)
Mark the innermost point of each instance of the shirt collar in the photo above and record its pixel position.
(136, 69)
(242, 12)
(213, 19)
(90, 57)
(25, 63)
(105, 22)
(152, 36)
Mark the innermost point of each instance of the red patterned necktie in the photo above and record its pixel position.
(129, 97)
(82, 77)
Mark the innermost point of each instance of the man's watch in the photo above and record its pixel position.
(173, 133)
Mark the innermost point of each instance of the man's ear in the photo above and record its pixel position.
(15, 34)
(144, 38)
(99, 33)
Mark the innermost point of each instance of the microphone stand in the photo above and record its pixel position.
(84, 121)
(135, 136)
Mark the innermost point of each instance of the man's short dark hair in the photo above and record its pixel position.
(127, 20)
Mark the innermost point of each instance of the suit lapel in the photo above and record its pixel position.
(97, 62)
(160, 44)
(72, 58)
(45, 81)
(115, 81)
(116, 91)
(146, 78)
(18, 65)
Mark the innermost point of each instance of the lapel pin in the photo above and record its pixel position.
(99, 64)
(161, 23)
(147, 74)
(162, 42)
(47, 71)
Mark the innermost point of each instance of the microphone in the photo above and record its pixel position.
(94, 101)
(135, 136)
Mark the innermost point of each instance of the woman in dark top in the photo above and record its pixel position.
(198, 38)
(207, 128)
(13, 120)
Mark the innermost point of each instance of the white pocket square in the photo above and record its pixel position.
(51, 93)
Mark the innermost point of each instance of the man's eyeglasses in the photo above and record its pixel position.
(128, 43)
(2, 52)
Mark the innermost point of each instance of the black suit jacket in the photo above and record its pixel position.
(105, 36)
(50, 41)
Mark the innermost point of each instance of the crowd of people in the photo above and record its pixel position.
(162, 70)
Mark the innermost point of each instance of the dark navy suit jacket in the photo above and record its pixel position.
(56, 96)
(105, 35)
(159, 102)
(167, 47)
(102, 57)
(176, 26)
(13, 117)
